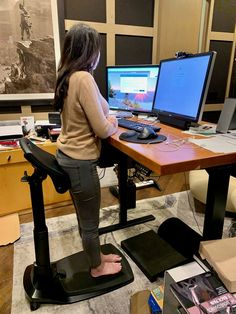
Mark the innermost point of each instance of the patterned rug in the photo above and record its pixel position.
(64, 240)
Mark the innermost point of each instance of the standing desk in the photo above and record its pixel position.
(164, 159)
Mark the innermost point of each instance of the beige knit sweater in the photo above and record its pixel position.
(83, 118)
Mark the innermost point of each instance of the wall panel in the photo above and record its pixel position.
(86, 10)
(133, 12)
(133, 50)
(221, 37)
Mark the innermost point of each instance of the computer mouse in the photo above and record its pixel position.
(128, 134)
(147, 133)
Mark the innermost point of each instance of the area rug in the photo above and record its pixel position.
(64, 240)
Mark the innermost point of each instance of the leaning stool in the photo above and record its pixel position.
(67, 280)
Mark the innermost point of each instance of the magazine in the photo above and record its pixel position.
(204, 294)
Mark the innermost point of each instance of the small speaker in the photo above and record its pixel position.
(227, 120)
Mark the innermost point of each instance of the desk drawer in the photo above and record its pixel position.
(16, 155)
(14, 194)
(11, 156)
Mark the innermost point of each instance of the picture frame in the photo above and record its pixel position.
(30, 51)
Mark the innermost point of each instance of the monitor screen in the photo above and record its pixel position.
(131, 88)
(182, 88)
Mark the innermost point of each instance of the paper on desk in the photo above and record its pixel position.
(221, 143)
(10, 130)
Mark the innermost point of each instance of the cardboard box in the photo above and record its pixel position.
(221, 255)
(10, 229)
(139, 302)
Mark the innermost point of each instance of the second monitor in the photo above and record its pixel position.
(182, 88)
(131, 87)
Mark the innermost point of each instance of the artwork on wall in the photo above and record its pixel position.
(29, 49)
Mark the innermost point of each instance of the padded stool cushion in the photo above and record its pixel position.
(198, 182)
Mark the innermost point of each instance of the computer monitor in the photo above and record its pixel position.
(182, 88)
(131, 87)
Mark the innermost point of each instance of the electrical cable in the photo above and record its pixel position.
(191, 207)
(101, 175)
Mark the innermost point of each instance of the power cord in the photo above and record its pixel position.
(191, 207)
(138, 173)
(102, 173)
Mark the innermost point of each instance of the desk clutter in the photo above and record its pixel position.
(45, 129)
(12, 130)
(50, 128)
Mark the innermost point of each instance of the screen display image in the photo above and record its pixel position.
(182, 86)
(131, 88)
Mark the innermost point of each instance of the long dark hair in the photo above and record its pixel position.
(80, 52)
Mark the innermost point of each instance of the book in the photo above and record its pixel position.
(204, 294)
(155, 300)
(221, 255)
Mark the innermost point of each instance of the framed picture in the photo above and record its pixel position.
(31, 33)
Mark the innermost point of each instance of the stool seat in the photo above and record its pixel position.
(198, 183)
(46, 163)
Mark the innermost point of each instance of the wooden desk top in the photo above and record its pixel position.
(174, 155)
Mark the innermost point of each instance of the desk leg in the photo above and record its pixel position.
(216, 202)
(123, 195)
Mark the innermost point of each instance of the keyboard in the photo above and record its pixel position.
(136, 126)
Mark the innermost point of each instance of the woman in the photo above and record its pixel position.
(85, 120)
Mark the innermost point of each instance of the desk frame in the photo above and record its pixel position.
(122, 183)
(216, 200)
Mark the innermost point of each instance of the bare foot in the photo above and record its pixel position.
(110, 258)
(106, 269)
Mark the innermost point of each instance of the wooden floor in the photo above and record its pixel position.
(169, 184)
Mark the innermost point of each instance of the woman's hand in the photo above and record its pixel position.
(113, 120)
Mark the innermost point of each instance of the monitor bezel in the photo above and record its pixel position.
(141, 66)
(167, 116)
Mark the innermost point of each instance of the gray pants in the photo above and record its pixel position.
(86, 195)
